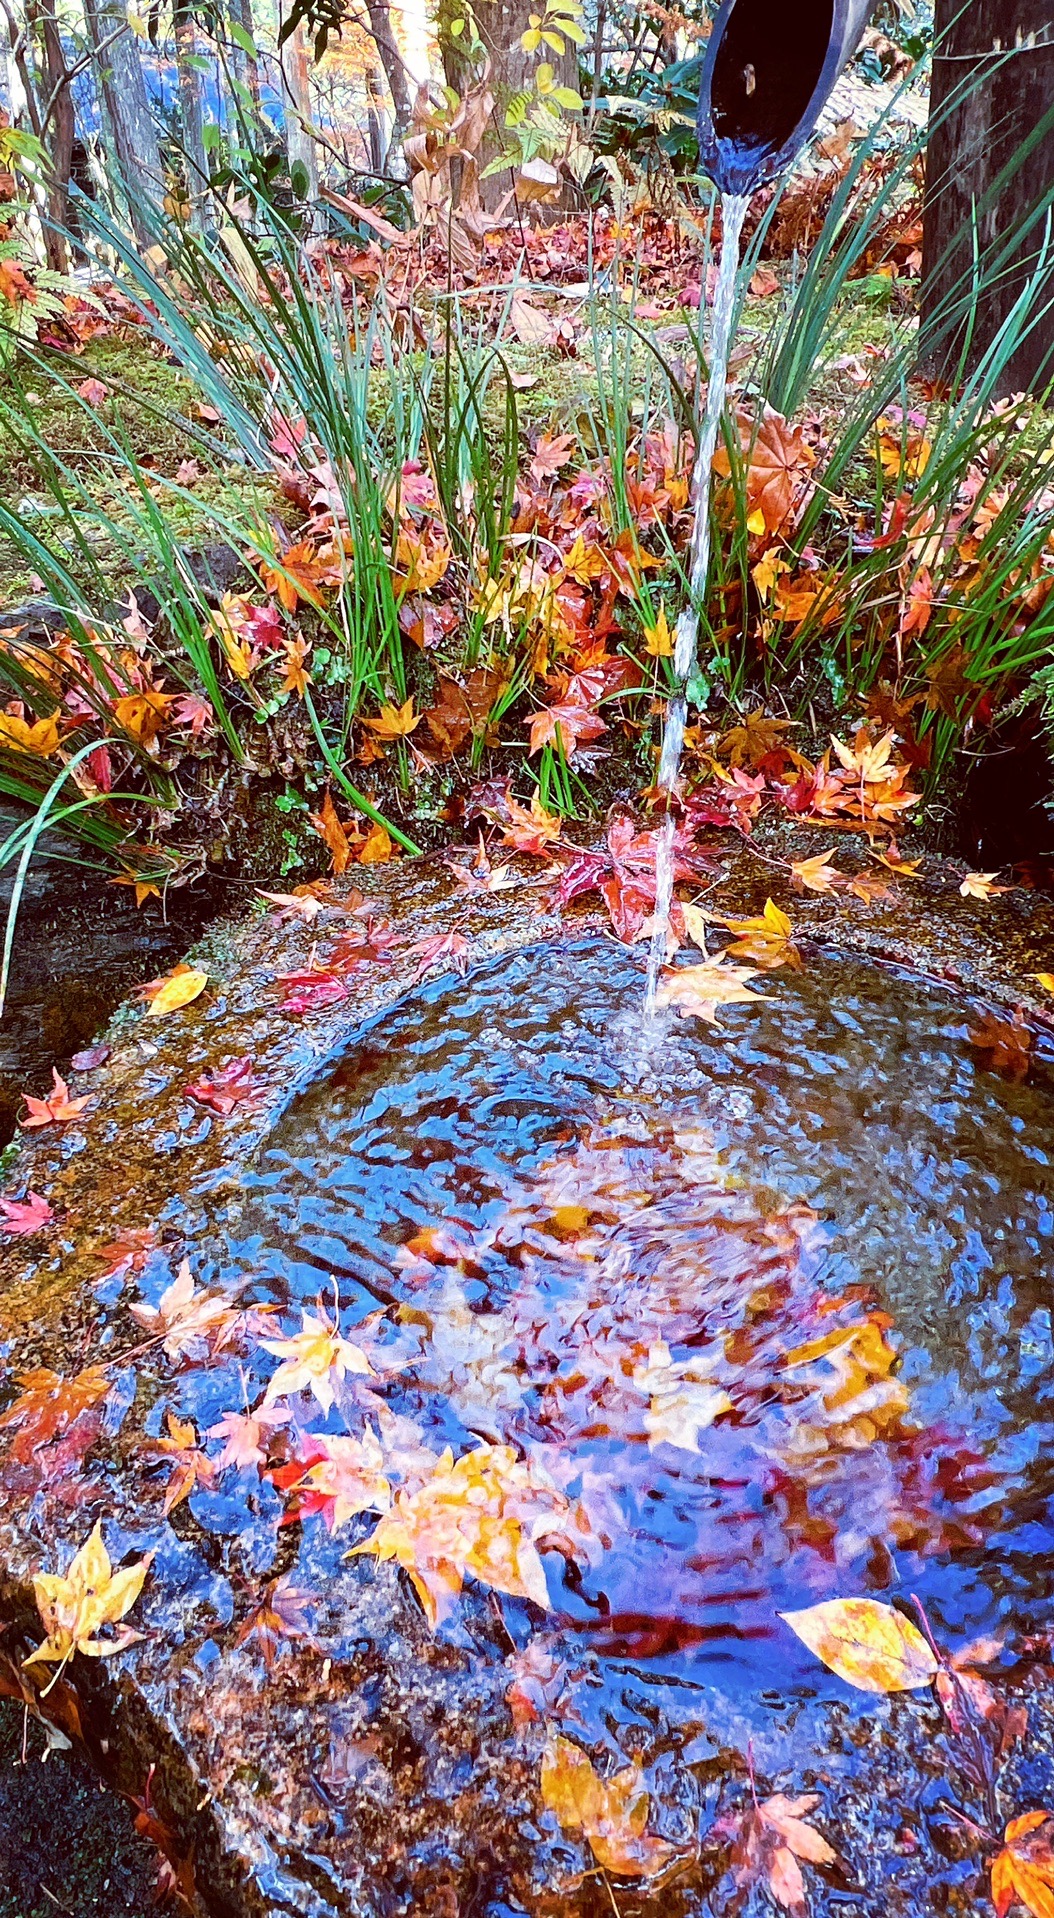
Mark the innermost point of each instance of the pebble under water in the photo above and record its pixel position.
(772, 1300)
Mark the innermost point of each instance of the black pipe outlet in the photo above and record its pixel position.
(769, 69)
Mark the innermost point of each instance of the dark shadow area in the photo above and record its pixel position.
(1003, 815)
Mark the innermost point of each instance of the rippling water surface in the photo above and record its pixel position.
(774, 1300)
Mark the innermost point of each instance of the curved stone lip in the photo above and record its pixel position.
(145, 1142)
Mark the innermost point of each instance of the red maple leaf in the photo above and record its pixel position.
(234, 1084)
(23, 1216)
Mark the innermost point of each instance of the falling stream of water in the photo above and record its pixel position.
(733, 213)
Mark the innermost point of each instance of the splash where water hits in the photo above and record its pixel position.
(686, 638)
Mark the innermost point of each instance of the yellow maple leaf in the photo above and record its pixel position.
(981, 885)
(177, 988)
(611, 1813)
(142, 715)
(766, 939)
(73, 1608)
(867, 759)
(482, 1514)
(394, 722)
(39, 737)
(816, 874)
(868, 1644)
(697, 991)
(312, 1359)
(658, 639)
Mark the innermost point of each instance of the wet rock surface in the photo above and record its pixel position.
(317, 1747)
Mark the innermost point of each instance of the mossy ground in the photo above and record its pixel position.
(66, 1844)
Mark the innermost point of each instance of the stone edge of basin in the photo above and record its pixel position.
(143, 1140)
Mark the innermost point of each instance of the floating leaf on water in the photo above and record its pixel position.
(612, 1814)
(868, 1644)
(74, 1607)
(1024, 1869)
(313, 1359)
(697, 991)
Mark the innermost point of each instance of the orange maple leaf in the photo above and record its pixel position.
(57, 1109)
(1024, 1869)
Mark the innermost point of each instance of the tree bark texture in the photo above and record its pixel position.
(190, 113)
(394, 72)
(980, 192)
(58, 136)
(501, 25)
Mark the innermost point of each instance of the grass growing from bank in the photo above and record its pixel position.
(444, 538)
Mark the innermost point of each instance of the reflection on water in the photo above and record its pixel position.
(773, 1301)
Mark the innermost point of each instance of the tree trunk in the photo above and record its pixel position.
(189, 80)
(501, 24)
(247, 66)
(136, 162)
(58, 132)
(980, 189)
(295, 63)
(395, 74)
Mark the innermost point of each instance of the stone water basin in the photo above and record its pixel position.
(762, 1312)
(771, 1300)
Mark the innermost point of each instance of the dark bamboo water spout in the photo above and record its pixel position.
(769, 70)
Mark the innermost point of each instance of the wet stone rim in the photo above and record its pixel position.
(146, 1155)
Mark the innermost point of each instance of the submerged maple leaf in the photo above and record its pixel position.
(127, 1255)
(769, 1840)
(339, 1476)
(227, 1087)
(56, 1109)
(312, 1359)
(48, 1404)
(483, 1514)
(767, 939)
(697, 991)
(190, 1324)
(816, 874)
(20, 1217)
(684, 1400)
(245, 1434)
(191, 1466)
(611, 1813)
(75, 1606)
(281, 1612)
(1024, 1869)
(1004, 1045)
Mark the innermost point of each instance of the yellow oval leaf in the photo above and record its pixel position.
(870, 1645)
(177, 991)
